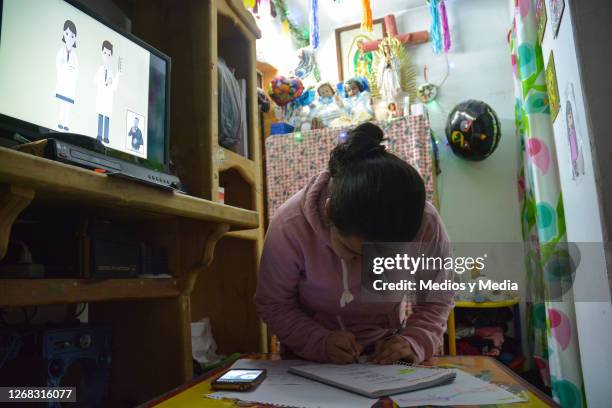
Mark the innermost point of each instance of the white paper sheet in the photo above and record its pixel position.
(465, 390)
(284, 389)
(375, 379)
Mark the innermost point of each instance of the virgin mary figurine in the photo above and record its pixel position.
(388, 72)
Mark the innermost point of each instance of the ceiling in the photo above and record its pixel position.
(333, 14)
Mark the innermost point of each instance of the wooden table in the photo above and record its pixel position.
(487, 368)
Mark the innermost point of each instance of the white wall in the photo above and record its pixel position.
(274, 47)
(583, 213)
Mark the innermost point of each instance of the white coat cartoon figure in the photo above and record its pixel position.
(106, 85)
(67, 68)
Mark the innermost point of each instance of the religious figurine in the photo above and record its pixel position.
(389, 84)
(329, 107)
(395, 74)
(358, 103)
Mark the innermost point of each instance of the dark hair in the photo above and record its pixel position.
(355, 82)
(68, 24)
(106, 44)
(374, 194)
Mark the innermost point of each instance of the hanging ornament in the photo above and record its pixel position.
(366, 17)
(445, 29)
(436, 35)
(314, 24)
(249, 4)
(427, 92)
(473, 130)
(299, 34)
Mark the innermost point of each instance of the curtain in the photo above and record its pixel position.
(551, 322)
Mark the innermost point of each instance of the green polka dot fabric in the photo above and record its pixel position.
(551, 321)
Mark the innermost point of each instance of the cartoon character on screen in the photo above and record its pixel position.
(106, 85)
(135, 135)
(67, 68)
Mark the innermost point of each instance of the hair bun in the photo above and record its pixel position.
(363, 141)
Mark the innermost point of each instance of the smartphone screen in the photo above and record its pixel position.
(240, 376)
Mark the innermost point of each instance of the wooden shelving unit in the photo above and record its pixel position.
(230, 160)
(196, 34)
(150, 318)
(21, 292)
(59, 183)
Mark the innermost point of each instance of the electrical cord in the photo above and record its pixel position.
(79, 312)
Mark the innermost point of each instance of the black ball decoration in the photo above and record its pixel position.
(473, 130)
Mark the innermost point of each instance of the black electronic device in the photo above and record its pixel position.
(78, 355)
(115, 252)
(239, 379)
(94, 156)
(99, 94)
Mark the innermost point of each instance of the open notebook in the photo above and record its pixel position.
(374, 380)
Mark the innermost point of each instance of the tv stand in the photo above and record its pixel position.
(150, 318)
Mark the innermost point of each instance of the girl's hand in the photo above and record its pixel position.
(391, 350)
(342, 348)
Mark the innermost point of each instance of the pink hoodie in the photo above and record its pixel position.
(300, 283)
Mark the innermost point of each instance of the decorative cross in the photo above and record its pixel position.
(417, 37)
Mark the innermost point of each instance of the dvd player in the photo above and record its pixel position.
(68, 148)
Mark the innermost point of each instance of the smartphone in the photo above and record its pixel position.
(239, 379)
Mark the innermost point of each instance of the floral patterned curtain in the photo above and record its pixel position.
(550, 305)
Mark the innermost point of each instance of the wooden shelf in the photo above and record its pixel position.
(252, 234)
(69, 184)
(29, 292)
(231, 160)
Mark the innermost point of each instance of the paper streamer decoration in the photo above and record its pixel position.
(436, 35)
(300, 35)
(314, 24)
(366, 17)
(445, 29)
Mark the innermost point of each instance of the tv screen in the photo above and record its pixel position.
(62, 69)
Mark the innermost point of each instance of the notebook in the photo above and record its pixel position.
(373, 380)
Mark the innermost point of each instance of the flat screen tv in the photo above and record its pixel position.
(63, 69)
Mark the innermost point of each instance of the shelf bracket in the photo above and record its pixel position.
(208, 250)
(13, 200)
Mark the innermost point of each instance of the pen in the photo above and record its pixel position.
(341, 323)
